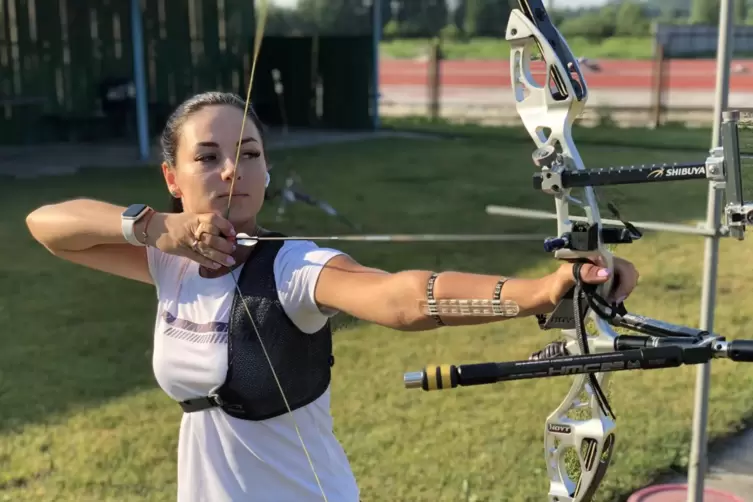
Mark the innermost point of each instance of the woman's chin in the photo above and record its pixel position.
(242, 208)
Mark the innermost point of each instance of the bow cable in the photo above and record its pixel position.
(579, 317)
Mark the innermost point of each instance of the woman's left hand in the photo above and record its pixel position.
(626, 278)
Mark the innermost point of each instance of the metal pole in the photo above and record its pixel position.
(698, 459)
(435, 78)
(139, 79)
(376, 35)
(723, 60)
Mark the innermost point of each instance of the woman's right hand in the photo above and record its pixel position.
(208, 239)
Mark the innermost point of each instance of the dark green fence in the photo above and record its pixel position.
(327, 81)
(53, 77)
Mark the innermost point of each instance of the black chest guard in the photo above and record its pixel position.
(301, 361)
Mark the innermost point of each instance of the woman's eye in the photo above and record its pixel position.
(205, 158)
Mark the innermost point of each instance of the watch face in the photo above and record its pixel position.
(134, 210)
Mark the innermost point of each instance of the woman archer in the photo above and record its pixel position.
(237, 441)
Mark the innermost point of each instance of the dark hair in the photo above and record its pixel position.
(171, 132)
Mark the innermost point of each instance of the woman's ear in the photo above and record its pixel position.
(169, 175)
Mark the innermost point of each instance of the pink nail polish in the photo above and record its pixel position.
(603, 272)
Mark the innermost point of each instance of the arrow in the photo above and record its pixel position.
(248, 240)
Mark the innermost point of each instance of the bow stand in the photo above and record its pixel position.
(291, 193)
(548, 112)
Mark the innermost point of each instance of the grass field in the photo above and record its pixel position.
(81, 418)
(493, 48)
(668, 137)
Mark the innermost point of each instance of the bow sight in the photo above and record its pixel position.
(722, 168)
(548, 113)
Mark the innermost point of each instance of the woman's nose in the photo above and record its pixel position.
(228, 169)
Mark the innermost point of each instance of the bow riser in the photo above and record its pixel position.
(589, 439)
(548, 115)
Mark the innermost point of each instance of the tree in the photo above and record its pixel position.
(285, 21)
(631, 20)
(471, 10)
(422, 17)
(705, 12)
(336, 17)
(740, 13)
(483, 17)
(594, 25)
(493, 18)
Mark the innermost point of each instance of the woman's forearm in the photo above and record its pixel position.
(76, 225)
(531, 295)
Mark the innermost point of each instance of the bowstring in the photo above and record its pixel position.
(258, 36)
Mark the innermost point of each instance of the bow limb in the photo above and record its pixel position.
(258, 36)
(580, 428)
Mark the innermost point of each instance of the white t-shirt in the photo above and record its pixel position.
(221, 458)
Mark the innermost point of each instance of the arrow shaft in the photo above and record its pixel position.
(246, 240)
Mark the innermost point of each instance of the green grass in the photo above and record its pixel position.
(81, 418)
(496, 48)
(667, 137)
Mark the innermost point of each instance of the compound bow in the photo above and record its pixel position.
(548, 112)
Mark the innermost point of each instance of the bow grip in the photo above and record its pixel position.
(592, 288)
(590, 256)
(613, 283)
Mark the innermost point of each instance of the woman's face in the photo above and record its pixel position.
(205, 163)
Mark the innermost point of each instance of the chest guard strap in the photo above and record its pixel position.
(302, 361)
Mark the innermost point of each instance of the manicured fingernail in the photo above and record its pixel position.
(603, 272)
(232, 231)
(230, 260)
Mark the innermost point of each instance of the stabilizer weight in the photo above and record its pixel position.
(434, 377)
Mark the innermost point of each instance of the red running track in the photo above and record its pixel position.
(681, 74)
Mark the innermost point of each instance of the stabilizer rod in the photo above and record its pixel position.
(632, 352)
(449, 376)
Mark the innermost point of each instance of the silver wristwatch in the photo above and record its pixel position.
(128, 220)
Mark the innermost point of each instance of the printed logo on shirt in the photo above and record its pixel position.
(182, 329)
